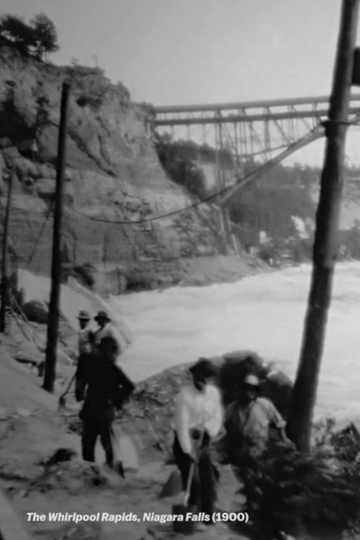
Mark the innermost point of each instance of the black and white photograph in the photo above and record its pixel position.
(180, 269)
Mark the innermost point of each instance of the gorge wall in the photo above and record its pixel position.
(284, 202)
(113, 179)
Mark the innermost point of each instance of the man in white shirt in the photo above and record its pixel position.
(198, 419)
(85, 337)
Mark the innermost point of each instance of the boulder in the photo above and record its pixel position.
(34, 290)
(36, 311)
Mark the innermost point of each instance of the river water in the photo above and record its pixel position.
(264, 313)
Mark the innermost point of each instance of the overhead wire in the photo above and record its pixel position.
(189, 207)
(37, 241)
(174, 212)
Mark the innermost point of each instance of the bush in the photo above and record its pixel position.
(14, 32)
(346, 443)
(92, 101)
(37, 39)
(180, 167)
(315, 494)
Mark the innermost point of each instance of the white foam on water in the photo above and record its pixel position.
(264, 313)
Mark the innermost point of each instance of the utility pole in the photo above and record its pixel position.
(326, 235)
(4, 265)
(258, 224)
(56, 268)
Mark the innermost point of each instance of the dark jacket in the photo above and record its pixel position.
(104, 386)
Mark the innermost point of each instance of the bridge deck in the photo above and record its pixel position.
(246, 118)
(255, 128)
(217, 107)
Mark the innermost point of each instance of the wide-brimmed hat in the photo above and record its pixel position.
(203, 369)
(102, 316)
(84, 315)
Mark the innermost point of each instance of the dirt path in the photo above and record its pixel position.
(31, 430)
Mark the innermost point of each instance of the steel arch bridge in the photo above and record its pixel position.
(268, 131)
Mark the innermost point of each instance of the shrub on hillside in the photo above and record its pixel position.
(14, 32)
(316, 495)
(182, 169)
(89, 101)
(38, 39)
(346, 443)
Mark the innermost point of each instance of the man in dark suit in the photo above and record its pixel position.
(105, 388)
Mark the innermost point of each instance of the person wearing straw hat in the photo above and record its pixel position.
(251, 420)
(86, 336)
(198, 419)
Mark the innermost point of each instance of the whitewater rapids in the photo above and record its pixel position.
(264, 313)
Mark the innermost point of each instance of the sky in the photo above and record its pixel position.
(170, 52)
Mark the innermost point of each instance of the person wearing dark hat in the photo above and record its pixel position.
(105, 388)
(104, 328)
(198, 419)
(252, 418)
(86, 336)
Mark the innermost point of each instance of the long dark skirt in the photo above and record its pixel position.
(205, 478)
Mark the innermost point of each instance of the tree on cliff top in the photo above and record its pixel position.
(37, 39)
(44, 36)
(14, 32)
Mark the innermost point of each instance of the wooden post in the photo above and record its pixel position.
(326, 236)
(56, 268)
(257, 212)
(4, 265)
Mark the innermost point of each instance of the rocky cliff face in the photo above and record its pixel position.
(113, 179)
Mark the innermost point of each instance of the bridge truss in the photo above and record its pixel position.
(267, 132)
